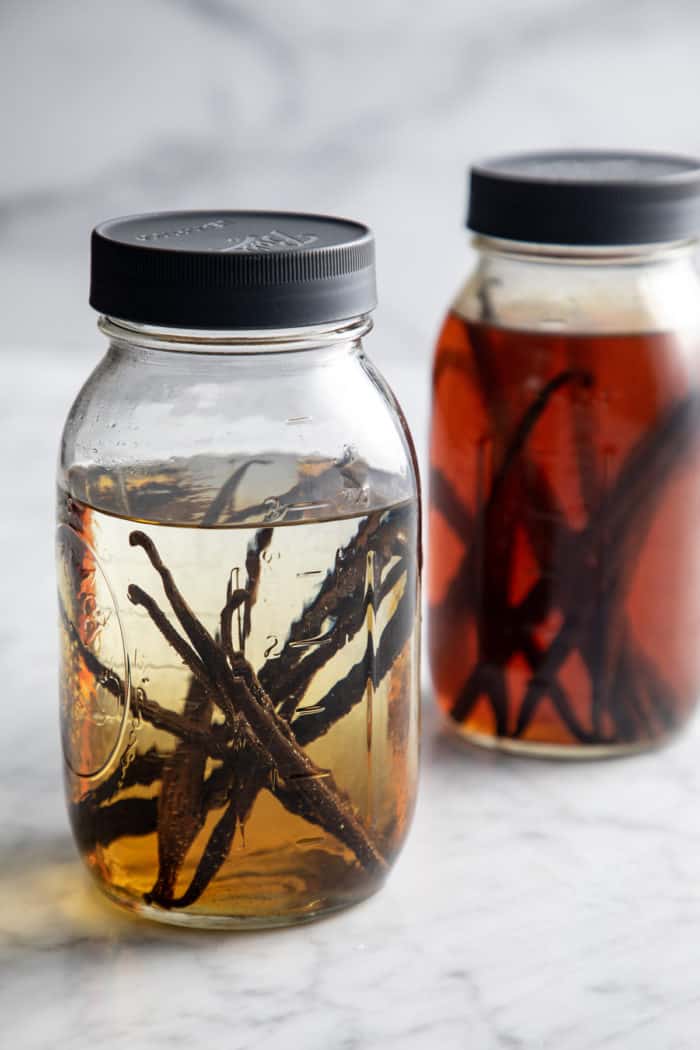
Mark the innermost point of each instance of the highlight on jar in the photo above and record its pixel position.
(564, 515)
(238, 575)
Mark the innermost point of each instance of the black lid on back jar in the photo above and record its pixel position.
(587, 198)
(232, 269)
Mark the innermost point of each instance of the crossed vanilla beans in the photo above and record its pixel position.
(256, 661)
(564, 476)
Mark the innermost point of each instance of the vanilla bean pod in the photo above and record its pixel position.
(535, 606)
(96, 820)
(460, 594)
(344, 578)
(558, 696)
(215, 853)
(228, 491)
(348, 692)
(647, 469)
(270, 729)
(484, 680)
(287, 676)
(290, 506)
(444, 498)
(216, 741)
(317, 786)
(95, 825)
(262, 540)
(350, 614)
(246, 776)
(180, 814)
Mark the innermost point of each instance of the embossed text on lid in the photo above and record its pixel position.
(232, 269)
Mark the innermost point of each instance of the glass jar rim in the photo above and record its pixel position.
(238, 341)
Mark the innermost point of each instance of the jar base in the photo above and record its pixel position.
(203, 921)
(558, 752)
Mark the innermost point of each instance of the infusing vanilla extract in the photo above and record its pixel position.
(218, 685)
(238, 552)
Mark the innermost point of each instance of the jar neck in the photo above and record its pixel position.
(670, 252)
(587, 290)
(346, 333)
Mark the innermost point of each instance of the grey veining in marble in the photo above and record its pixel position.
(537, 906)
(371, 109)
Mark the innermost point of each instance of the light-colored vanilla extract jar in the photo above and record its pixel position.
(238, 575)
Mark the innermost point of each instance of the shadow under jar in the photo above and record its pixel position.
(238, 569)
(564, 590)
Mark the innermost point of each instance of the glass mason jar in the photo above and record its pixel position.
(238, 562)
(564, 601)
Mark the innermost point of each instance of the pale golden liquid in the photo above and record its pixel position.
(280, 866)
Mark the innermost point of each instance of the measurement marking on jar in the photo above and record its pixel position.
(298, 419)
(307, 506)
(304, 643)
(310, 572)
(317, 710)
(274, 642)
(310, 776)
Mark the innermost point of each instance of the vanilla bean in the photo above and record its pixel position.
(663, 701)
(216, 740)
(262, 540)
(485, 680)
(246, 775)
(142, 771)
(348, 692)
(199, 637)
(95, 825)
(321, 794)
(350, 616)
(213, 857)
(350, 621)
(180, 816)
(444, 498)
(462, 592)
(287, 676)
(271, 730)
(533, 414)
(343, 579)
(234, 600)
(137, 596)
(227, 491)
(599, 632)
(648, 468)
(557, 694)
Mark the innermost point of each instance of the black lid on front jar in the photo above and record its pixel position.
(232, 269)
(587, 198)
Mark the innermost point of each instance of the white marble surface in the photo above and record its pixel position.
(536, 906)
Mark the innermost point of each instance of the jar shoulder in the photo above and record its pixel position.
(545, 294)
(323, 426)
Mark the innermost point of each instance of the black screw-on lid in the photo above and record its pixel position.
(586, 198)
(232, 269)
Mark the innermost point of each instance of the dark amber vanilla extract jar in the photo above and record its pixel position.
(564, 591)
(238, 568)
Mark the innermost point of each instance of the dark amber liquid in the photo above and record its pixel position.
(565, 535)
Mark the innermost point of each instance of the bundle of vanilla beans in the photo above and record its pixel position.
(241, 732)
(585, 573)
